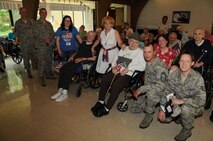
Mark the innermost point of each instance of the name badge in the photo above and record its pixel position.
(68, 43)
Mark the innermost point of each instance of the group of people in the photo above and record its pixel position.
(178, 87)
(173, 75)
(36, 39)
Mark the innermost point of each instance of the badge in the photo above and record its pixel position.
(68, 43)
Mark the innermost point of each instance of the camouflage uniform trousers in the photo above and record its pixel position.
(27, 52)
(44, 58)
(146, 103)
(153, 98)
(188, 114)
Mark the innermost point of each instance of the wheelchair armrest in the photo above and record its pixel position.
(134, 82)
(87, 62)
(137, 72)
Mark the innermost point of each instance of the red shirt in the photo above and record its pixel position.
(167, 57)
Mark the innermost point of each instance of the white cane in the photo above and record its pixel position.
(111, 83)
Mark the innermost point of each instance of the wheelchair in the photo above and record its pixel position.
(12, 50)
(136, 81)
(86, 76)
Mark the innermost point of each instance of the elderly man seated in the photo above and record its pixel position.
(123, 66)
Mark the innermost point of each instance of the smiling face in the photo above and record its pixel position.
(67, 22)
(149, 53)
(186, 63)
(90, 36)
(43, 14)
(133, 44)
(108, 25)
(162, 42)
(199, 35)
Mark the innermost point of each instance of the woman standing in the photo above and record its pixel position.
(109, 38)
(66, 36)
(163, 52)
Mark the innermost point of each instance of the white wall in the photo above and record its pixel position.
(201, 13)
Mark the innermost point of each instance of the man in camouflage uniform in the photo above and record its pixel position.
(25, 37)
(188, 88)
(44, 35)
(155, 76)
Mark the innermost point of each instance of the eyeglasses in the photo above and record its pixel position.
(67, 21)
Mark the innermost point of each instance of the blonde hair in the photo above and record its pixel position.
(108, 18)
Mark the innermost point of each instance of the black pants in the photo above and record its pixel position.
(116, 88)
(66, 73)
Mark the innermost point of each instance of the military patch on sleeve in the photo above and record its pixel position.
(163, 77)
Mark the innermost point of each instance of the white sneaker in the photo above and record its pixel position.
(57, 95)
(61, 97)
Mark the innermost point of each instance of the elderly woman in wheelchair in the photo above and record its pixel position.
(83, 54)
(128, 60)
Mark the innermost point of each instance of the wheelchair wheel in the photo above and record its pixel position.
(16, 55)
(122, 107)
(93, 77)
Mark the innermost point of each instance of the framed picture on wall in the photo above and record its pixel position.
(181, 16)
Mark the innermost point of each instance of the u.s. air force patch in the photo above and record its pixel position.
(163, 77)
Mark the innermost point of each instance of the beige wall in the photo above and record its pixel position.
(119, 12)
(201, 13)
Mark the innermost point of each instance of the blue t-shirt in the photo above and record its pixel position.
(67, 39)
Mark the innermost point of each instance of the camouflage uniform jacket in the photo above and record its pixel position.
(24, 32)
(155, 76)
(43, 30)
(191, 91)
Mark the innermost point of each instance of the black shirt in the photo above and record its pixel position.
(84, 50)
(205, 49)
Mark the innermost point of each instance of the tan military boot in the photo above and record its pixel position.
(146, 121)
(184, 134)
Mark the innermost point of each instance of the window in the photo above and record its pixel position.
(56, 18)
(78, 19)
(5, 26)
